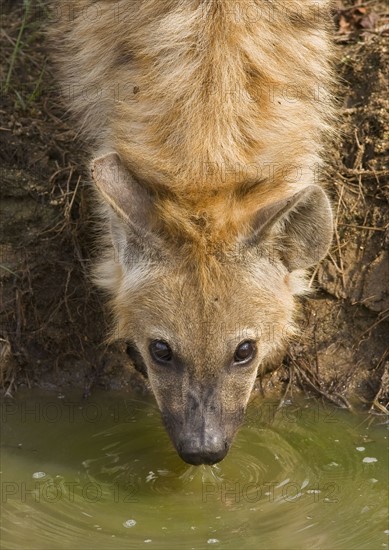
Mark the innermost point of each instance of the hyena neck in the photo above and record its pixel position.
(205, 91)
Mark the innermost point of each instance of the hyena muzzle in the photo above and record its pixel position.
(207, 120)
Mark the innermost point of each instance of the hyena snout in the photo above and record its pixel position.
(207, 447)
(204, 436)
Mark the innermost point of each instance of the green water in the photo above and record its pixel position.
(102, 474)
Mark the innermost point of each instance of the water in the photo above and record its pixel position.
(102, 474)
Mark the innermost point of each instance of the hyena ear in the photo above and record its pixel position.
(303, 224)
(130, 201)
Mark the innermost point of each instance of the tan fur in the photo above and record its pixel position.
(207, 120)
(215, 93)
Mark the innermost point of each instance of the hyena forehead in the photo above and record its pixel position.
(179, 304)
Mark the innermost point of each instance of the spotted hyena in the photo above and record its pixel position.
(207, 120)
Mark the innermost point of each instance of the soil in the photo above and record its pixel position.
(53, 321)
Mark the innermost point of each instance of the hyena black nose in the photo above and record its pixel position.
(193, 451)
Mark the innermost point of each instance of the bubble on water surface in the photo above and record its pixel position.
(38, 475)
(129, 523)
(360, 449)
(369, 459)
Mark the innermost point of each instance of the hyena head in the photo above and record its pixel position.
(199, 322)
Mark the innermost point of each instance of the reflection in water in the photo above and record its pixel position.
(103, 474)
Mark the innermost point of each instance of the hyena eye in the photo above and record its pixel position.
(245, 352)
(160, 351)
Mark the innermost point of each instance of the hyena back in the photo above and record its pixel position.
(207, 119)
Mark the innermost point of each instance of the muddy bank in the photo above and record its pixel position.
(53, 321)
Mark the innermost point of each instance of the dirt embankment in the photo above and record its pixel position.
(53, 321)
